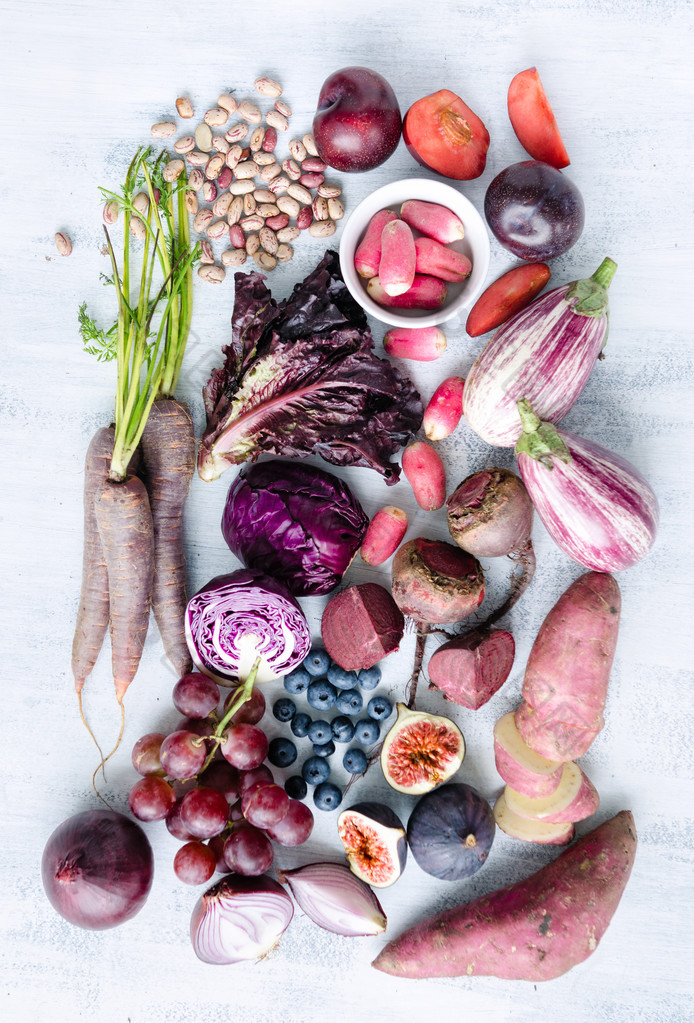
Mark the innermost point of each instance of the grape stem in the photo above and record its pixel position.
(243, 693)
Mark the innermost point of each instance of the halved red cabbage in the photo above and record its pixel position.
(238, 617)
(299, 524)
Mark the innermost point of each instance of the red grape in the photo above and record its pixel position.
(264, 805)
(198, 726)
(248, 851)
(151, 798)
(175, 825)
(204, 812)
(244, 746)
(182, 754)
(252, 777)
(216, 844)
(194, 863)
(222, 776)
(195, 695)
(295, 827)
(249, 712)
(145, 755)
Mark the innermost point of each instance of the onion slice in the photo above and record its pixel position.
(239, 919)
(335, 899)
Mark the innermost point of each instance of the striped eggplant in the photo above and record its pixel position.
(545, 354)
(594, 504)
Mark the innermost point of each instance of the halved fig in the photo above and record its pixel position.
(421, 751)
(374, 839)
(450, 832)
(574, 799)
(542, 832)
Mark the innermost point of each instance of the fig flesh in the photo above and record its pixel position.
(375, 844)
(450, 832)
(421, 751)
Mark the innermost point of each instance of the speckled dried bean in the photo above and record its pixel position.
(279, 185)
(277, 222)
(329, 191)
(238, 238)
(235, 210)
(270, 140)
(212, 274)
(270, 171)
(196, 179)
(283, 108)
(218, 229)
(249, 204)
(202, 219)
(252, 223)
(277, 120)
(314, 163)
(191, 201)
(322, 228)
(286, 204)
(220, 144)
(173, 170)
(214, 166)
(137, 228)
(237, 132)
(216, 116)
(209, 191)
(163, 130)
(263, 195)
(284, 253)
(267, 209)
(110, 212)
(249, 112)
(256, 141)
(267, 87)
(264, 159)
(336, 209)
(291, 169)
(247, 169)
(268, 239)
(288, 234)
(234, 257)
(297, 150)
(320, 208)
(184, 107)
(63, 243)
(310, 144)
(206, 253)
(203, 137)
(185, 144)
(225, 178)
(228, 103)
(233, 157)
(311, 180)
(196, 158)
(252, 244)
(304, 218)
(241, 186)
(221, 204)
(299, 192)
(264, 260)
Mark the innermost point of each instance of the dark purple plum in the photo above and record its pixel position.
(534, 211)
(374, 839)
(450, 832)
(357, 124)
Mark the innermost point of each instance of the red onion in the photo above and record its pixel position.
(594, 504)
(97, 869)
(335, 899)
(239, 918)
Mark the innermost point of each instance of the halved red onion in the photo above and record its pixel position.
(335, 899)
(239, 919)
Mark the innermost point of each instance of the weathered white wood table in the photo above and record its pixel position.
(81, 83)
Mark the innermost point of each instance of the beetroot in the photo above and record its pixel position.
(471, 668)
(434, 582)
(490, 513)
(361, 625)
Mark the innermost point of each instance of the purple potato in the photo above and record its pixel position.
(450, 831)
(534, 211)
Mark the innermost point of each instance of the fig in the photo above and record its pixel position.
(374, 839)
(421, 751)
(450, 832)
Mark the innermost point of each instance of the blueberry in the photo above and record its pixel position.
(297, 681)
(327, 796)
(324, 749)
(368, 678)
(321, 695)
(295, 787)
(379, 708)
(300, 724)
(281, 752)
(354, 761)
(340, 678)
(366, 731)
(342, 729)
(350, 702)
(284, 709)
(319, 732)
(315, 770)
(317, 663)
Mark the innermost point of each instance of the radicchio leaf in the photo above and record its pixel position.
(301, 378)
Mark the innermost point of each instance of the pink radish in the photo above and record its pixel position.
(425, 293)
(421, 343)
(368, 253)
(445, 409)
(398, 255)
(424, 469)
(434, 220)
(441, 260)
(383, 535)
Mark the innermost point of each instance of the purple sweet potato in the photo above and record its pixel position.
(534, 930)
(469, 669)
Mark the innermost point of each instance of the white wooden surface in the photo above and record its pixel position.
(80, 85)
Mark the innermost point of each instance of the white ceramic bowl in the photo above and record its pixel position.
(475, 245)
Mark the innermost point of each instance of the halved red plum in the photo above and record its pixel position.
(533, 121)
(445, 135)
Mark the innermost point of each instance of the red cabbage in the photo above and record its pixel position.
(301, 378)
(238, 617)
(299, 524)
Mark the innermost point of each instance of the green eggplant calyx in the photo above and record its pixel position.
(590, 293)
(539, 440)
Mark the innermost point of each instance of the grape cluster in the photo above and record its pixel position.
(327, 686)
(209, 782)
